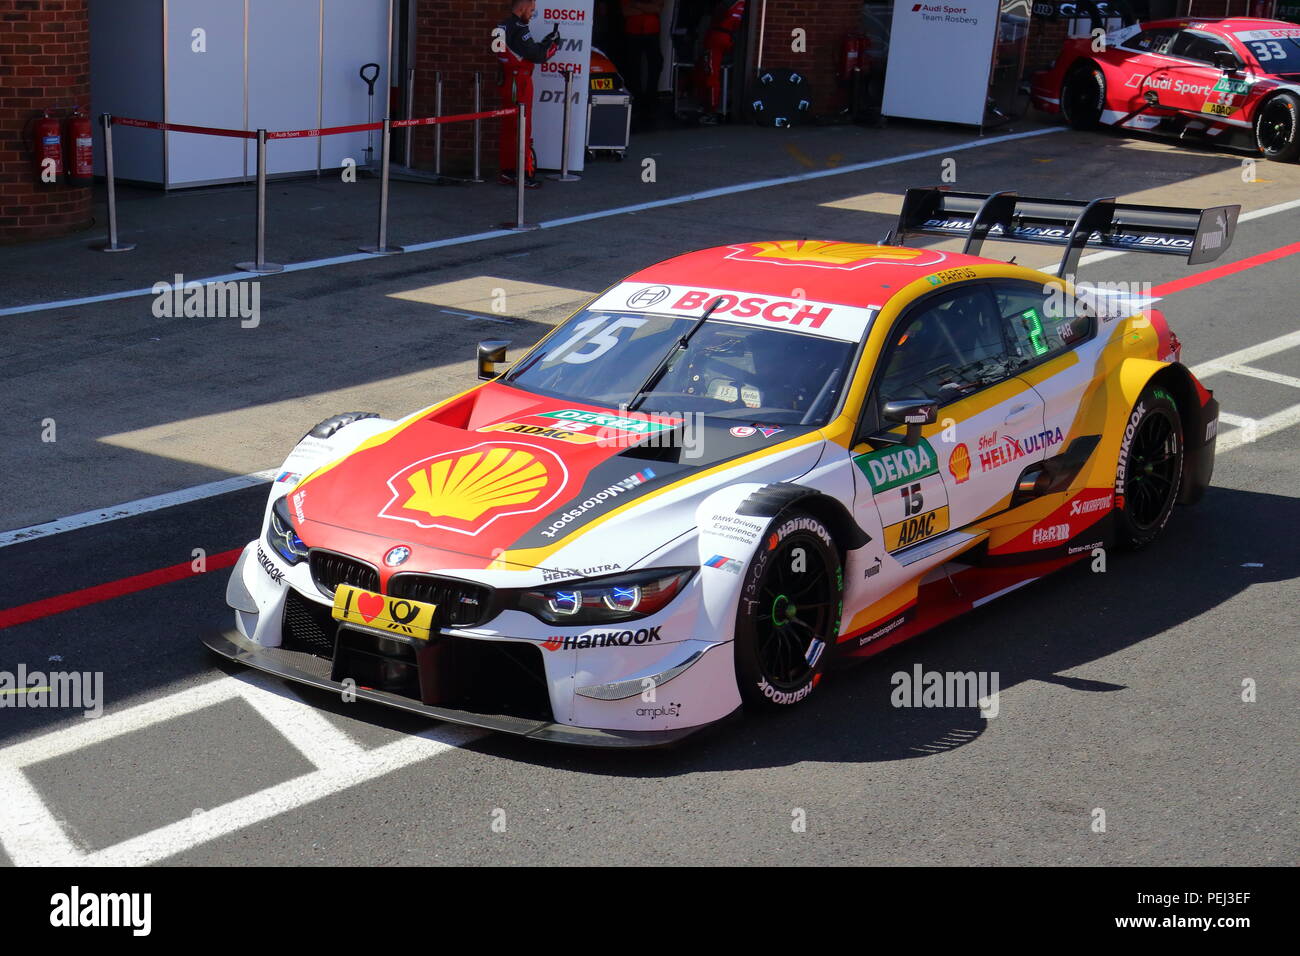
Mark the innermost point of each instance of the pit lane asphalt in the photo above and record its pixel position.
(1119, 691)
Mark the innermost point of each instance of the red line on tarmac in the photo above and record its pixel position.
(113, 589)
(1209, 275)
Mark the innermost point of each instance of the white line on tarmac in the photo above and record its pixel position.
(32, 835)
(321, 742)
(131, 508)
(1251, 353)
(564, 221)
(91, 731)
(1252, 429)
(218, 822)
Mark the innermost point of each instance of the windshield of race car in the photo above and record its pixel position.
(1276, 53)
(727, 370)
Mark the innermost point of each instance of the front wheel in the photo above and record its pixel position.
(1277, 128)
(1083, 97)
(789, 612)
(1149, 470)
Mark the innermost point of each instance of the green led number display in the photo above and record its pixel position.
(1035, 326)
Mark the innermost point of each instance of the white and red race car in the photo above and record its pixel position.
(1234, 81)
(702, 491)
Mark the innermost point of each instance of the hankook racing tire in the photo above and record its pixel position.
(789, 612)
(332, 424)
(1277, 128)
(1083, 96)
(1149, 469)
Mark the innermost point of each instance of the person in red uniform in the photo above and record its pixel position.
(645, 61)
(719, 40)
(518, 55)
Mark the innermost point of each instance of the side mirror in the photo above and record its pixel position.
(912, 412)
(1226, 61)
(490, 352)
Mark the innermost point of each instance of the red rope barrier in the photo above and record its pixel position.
(304, 133)
(460, 117)
(178, 128)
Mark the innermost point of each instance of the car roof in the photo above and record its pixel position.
(852, 273)
(1226, 25)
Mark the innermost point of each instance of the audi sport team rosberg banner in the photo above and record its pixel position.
(574, 20)
(939, 60)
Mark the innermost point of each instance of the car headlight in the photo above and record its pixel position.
(621, 597)
(281, 536)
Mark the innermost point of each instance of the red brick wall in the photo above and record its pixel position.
(1045, 39)
(44, 64)
(454, 36)
(824, 24)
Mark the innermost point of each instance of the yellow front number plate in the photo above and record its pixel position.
(395, 615)
(602, 83)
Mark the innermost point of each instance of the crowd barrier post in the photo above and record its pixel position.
(437, 130)
(112, 245)
(564, 176)
(521, 171)
(382, 248)
(260, 265)
(478, 127)
(410, 114)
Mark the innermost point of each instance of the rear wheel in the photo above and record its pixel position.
(789, 612)
(1277, 128)
(1149, 470)
(1083, 96)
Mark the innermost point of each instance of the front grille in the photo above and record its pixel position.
(329, 570)
(307, 626)
(460, 603)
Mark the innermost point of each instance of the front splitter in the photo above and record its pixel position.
(315, 672)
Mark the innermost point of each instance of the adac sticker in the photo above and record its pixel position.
(897, 465)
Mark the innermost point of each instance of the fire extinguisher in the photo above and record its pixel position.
(853, 53)
(47, 148)
(79, 147)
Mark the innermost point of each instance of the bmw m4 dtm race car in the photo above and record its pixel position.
(701, 491)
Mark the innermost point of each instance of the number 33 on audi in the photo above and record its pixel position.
(702, 492)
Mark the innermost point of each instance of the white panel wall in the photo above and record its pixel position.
(284, 79)
(143, 65)
(126, 63)
(356, 32)
(205, 89)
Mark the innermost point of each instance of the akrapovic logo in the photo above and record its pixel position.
(1090, 507)
(1121, 471)
(578, 642)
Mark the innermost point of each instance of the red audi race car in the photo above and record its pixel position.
(701, 492)
(1234, 81)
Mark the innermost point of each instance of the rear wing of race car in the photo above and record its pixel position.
(1200, 235)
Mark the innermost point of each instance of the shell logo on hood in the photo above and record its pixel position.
(467, 489)
(832, 255)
